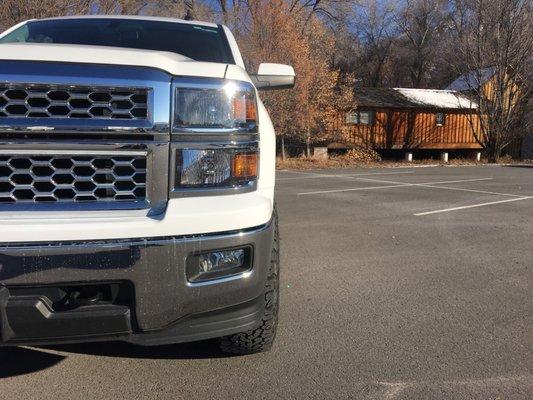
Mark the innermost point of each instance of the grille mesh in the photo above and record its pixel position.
(34, 101)
(71, 178)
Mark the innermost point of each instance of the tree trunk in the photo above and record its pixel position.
(494, 150)
(283, 155)
(308, 144)
(494, 155)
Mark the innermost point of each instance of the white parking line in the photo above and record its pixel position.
(350, 190)
(314, 176)
(395, 184)
(474, 191)
(472, 206)
(299, 172)
(447, 188)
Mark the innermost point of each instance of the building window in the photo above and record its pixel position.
(360, 117)
(440, 118)
(352, 118)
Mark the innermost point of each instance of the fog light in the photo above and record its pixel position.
(218, 264)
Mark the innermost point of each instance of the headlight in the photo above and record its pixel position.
(212, 104)
(232, 168)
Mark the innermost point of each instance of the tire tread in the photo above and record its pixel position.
(261, 339)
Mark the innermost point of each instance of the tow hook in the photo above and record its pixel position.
(80, 298)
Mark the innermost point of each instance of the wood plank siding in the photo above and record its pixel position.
(408, 129)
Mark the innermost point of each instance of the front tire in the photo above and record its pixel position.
(261, 339)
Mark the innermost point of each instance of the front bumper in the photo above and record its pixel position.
(163, 308)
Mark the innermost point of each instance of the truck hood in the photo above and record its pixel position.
(174, 64)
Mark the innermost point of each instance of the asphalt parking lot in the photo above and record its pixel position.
(406, 283)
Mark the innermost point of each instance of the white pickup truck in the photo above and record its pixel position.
(137, 169)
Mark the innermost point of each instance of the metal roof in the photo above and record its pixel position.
(412, 98)
(472, 80)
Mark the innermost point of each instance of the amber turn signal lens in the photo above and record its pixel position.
(245, 165)
(251, 111)
(244, 109)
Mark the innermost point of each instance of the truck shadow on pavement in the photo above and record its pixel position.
(195, 350)
(16, 361)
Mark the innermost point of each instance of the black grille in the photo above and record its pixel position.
(72, 178)
(38, 101)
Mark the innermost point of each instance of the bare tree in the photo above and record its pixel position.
(327, 9)
(129, 7)
(421, 23)
(376, 29)
(15, 11)
(497, 54)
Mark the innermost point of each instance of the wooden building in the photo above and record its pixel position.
(485, 82)
(397, 118)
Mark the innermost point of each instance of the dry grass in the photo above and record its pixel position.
(305, 163)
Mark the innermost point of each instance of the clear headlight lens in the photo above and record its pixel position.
(215, 104)
(198, 168)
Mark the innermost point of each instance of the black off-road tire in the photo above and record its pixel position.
(260, 339)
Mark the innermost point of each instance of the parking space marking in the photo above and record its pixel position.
(474, 191)
(449, 188)
(300, 172)
(350, 190)
(314, 176)
(394, 389)
(472, 206)
(395, 185)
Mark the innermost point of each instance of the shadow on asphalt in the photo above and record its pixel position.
(195, 350)
(16, 361)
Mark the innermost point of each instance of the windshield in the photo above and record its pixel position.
(200, 43)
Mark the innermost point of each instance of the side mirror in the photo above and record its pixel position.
(274, 77)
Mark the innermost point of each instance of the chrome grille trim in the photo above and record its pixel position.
(154, 82)
(73, 102)
(147, 138)
(72, 177)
